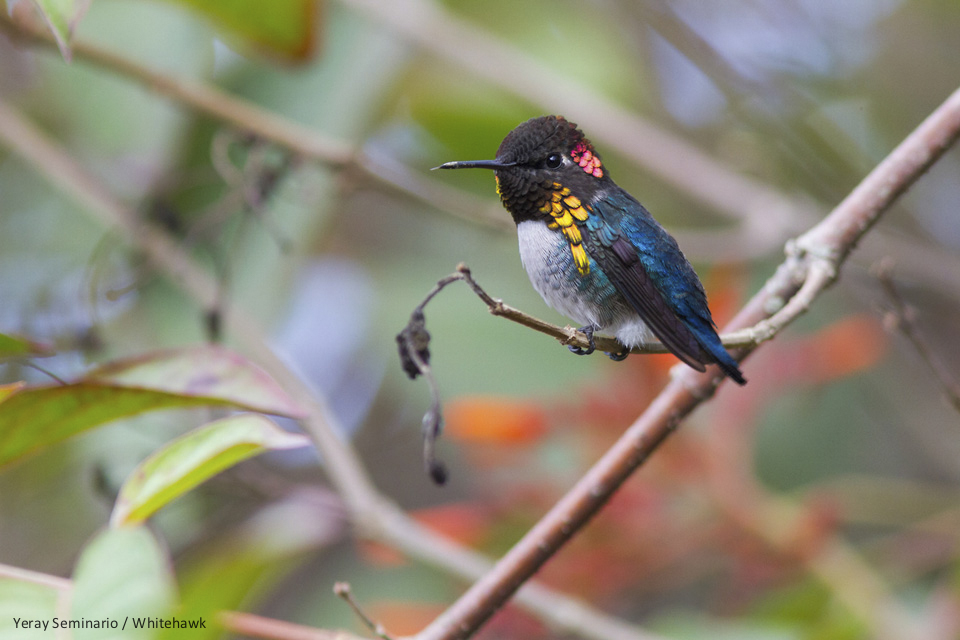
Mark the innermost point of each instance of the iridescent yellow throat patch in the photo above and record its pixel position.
(566, 210)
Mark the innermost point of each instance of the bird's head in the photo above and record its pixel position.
(538, 158)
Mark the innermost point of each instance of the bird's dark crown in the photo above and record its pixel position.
(545, 152)
(538, 158)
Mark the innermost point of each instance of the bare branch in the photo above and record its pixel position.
(35, 577)
(342, 590)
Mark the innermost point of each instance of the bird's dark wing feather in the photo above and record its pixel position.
(621, 263)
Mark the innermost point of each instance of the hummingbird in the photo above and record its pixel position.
(594, 253)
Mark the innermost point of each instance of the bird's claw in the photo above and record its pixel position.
(618, 356)
(591, 346)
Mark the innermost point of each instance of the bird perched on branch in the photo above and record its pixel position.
(594, 253)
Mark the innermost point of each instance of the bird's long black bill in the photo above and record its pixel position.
(475, 164)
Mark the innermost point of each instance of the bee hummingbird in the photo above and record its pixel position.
(594, 253)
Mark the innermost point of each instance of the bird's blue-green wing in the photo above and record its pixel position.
(647, 267)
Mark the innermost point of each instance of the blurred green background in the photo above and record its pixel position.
(840, 418)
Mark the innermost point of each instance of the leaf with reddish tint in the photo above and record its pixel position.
(192, 459)
(32, 418)
(205, 371)
(283, 28)
(494, 420)
(16, 347)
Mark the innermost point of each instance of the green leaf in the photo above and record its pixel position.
(122, 574)
(193, 458)
(22, 601)
(284, 28)
(37, 417)
(16, 347)
(61, 16)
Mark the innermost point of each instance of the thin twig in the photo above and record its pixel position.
(33, 365)
(342, 590)
(817, 256)
(568, 335)
(903, 318)
(414, 342)
(254, 626)
(35, 577)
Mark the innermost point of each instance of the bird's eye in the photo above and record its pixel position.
(554, 161)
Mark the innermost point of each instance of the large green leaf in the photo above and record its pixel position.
(122, 576)
(285, 28)
(193, 458)
(36, 417)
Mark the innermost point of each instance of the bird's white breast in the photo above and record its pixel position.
(587, 299)
(546, 256)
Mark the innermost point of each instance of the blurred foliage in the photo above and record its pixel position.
(840, 419)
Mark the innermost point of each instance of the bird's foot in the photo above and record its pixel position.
(618, 356)
(591, 346)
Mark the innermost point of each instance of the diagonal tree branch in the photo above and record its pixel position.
(812, 264)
